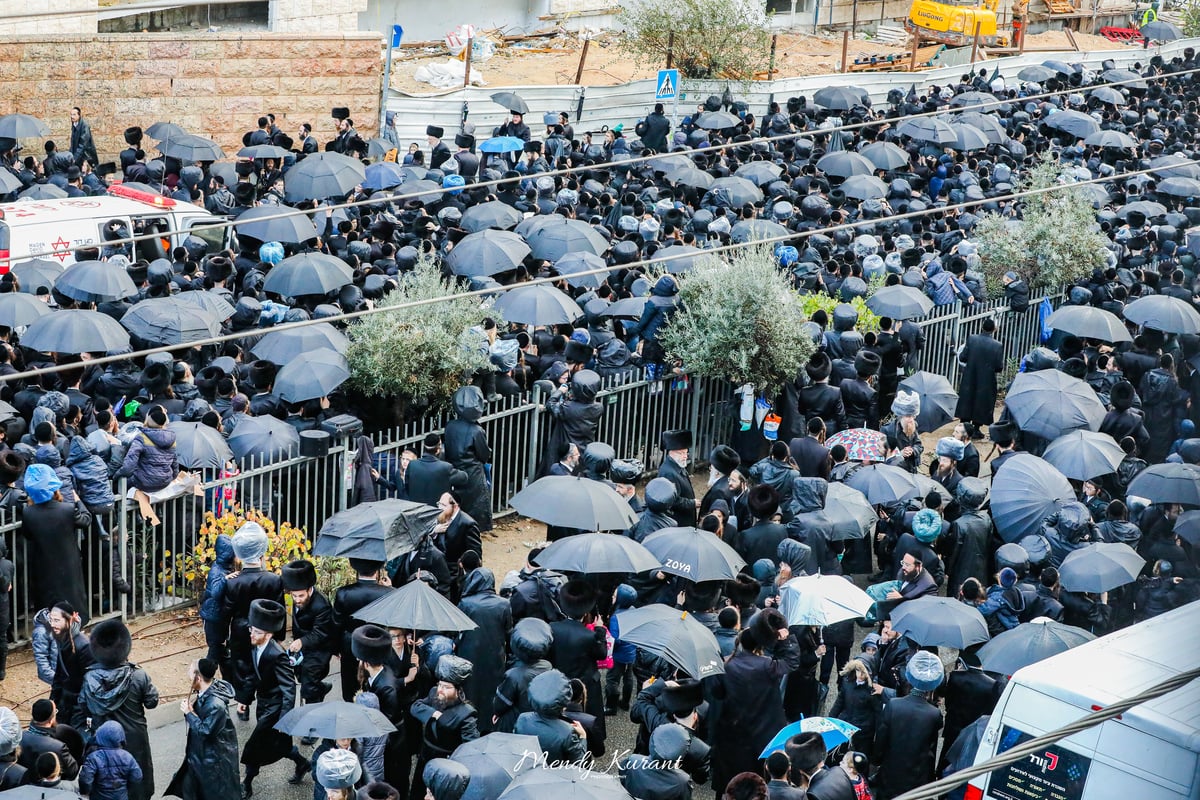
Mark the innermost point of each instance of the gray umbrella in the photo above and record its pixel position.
(1100, 567)
(570, 265)
(18, 310)
(574, 502)
(679, 258)
(428, 192)
(335, 719)
(378, 531)
(191, 148)
(759, 172)
(754, 230)
(1049, 403)
(1083, 455)
(628, 308)
(1036, 73)
(1149, 208)
(280, 347)
(565, 782)
(200, 447)
(1174, 165)
(1075, 123)
(1187, 526)
(939, 622)
(160, 131)
(1029, 643)
(1126, 77)
(9, 182)
(1107, 94)
(415, 606)
(969, 138)
(938, 399)
(840, 98)
(560, 236)
(36, 273)
(275, 224)
(22, 126)
(512, 101)
(847, 514)
(845, 163)
(1168, 483)
(591, 553)
(494, 760)
(989, 124)
(1161, 31)
(306, 274)
(973, 99)
(1179, 187)
(1088, 322)
(492, 214)
(900, 302)
(211, 302)
(928, 129)
(166, 320)
(538, 305)
(690, 175)
(717, 120)
(264, 440)
(1163, 313)
(674, 636)
(1024, 493)
(885, 155)
(75, 332)
(883, 484)
(262, 151)
(865, 187)
(323, 175)
(694, 554)
(311, 375)
(42, 191)
(488, 252)
(95, 282)
(739, 190)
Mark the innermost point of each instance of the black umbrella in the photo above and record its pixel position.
(22, 126)
(416, 606)
(200, 447)
(847, 514)
(928, 129)
(492, 214)
(308, 273)
(1174, 165)
(95, 282)
(690, 175)
(1148, 208)
(628, 308)
(378, 531)
(674, 636)
(965, 747)
(275, 224)
(900, 302)
(18, 310)
(752, 230)
(37, 273)
(560, 236)
(1100, 567)
(840, 98)
(264, 440)
(538, 305)
(510, 100)
(883, 484)
(739, 190)
(1107, 94)
(937, 622)
(1024, 493)
(571, 502)
(428, 192)
(335, 719)
(1168, 483)
(165, 130)
(694, 554)
(845, 163)
(938, 399)
(969, 138)
(75, 332)
(323, 175)
(1083, 455)
(597, 552)
(280, 347)
(1161, 31)
(717, 120)
(680, 258)
(167, 320)
(1089, 322)
(43, 191)
(885, 155)
(1036, 73)
(759, 172)
(7, 411)
(9, 182)
(487, 252)
(311, 375)
(567, 782)
(1112, 139)
(1163, 313)
(1060, 67)
(1179, 187)
(494, 760)
(257, 151)
(211, 302)
(191, 148)
(1049, 403)
(1075, 123)
(973, 99)
(1126, 77)
(570, 265)
(1187, 527)
(1029, 643)
(865, 187)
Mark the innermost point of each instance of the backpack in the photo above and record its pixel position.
(641, 128)
(548, 584)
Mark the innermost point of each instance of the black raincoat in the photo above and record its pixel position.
(210, 765)
(121, 693)
(468, 450)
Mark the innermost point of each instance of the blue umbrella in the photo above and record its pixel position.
(1024, 493)
(502, 144)
(384, 175)
(835, 732)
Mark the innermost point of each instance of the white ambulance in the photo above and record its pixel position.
(52, 229)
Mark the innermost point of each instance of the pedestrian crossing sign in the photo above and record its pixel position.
(667, 84)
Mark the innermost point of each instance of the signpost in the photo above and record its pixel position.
(666, 87)
(397, 35)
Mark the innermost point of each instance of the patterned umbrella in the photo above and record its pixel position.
(862, 444)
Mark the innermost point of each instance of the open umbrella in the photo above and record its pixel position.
(280, 347)
(311, 375)
(940, 622)
(1112, 139)
(1163, 313)
(885, 155)
(75, 332)
(1174, 165)
(22, 126)
(37, 273)
(1168, 483)
(1089, 322)
(323, 175)
(591, 553)
(689, 175)
(1060, 67)
(674, 636)
(679, 258)
(1083, 455)
(426, 191)
(566, 782)
(1100, 567)
(822, 600)
(43, 191)
(864, 187)
(1024, 493)
(739, 190)
(416, 606)
(694, 554)
(1049, 403)
(311, 273)
(9, 182)
(281, 224)
(627, 308)
(1161, 31)
(494, 760)
(95, 282)
(883, 484)
(1126, 77)
(572, 502)
(512, 101)
(1107, 94)
(760, 172)
(538, 305)
(1076, 123)
(383, 175)
(862, 444)
(753, 230)
(717, 120)
(259, 151)
(840, 98)
(167, 320)
(560, 236)
(834, 732)
(492, 214)
(1029, 643)
(1179, 187)
(973, 99)
(928, 129)
(900, 302)
(487, 252)
(200, 447)
(845, 163)
(378, 530)
(18, 310)
(1150, 209)
(1187, 527)
(335, 719)
(1036, 73)
(926, 484)
(847, 514)
(191, 147)
(938, 399)
(572, 264)
(502, 144)
(211, 302)
(165, 130)
(264, 440)
(968, 138)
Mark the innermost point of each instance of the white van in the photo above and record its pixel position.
(1151, 752)
(52, 229)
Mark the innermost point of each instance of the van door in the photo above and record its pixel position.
(154, 246)
(216, 238)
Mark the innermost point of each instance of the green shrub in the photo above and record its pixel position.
(713, 38)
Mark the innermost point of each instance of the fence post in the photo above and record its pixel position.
(122, 533)
(535, 435)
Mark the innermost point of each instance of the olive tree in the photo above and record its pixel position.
(713, 38)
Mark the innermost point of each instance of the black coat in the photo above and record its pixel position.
(36, 740)
(977, 389)
(575, 421)
(574, 653)
(643, 780)
(971, 534)
(859, 400)
(69, 671)
(969, 694)
(349, 599)
(461, 535)
(684, 510)
(428, 478)
(760, 541)
(824, 401)
(210, 764)
(441, 736)
(484, 647)
(811, 457)
(468, 450)
(905, 744)
(274, 687)
(51, 531)
(121, 693)
(314, 626)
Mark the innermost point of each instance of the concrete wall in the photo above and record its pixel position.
(515, 16)
(316, 16)
(44, 17)
(212, 84)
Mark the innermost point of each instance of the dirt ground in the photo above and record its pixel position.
(554, 60)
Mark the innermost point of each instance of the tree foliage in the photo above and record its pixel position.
(1053, 240)
(740, 321)
(713, 38)
(422, 353)
(1190, 19)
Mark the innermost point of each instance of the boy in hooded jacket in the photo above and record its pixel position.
(109, 768)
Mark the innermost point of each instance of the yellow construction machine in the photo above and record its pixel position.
(954, 24)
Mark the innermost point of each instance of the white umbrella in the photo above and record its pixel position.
(822, 600)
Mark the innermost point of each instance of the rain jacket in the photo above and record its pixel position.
(109, 770)
(210, 766)
(121, 694)
(91, 475)
(623, 652)
(214, 585)
(779, 476)
(530, 643)
(1067, 530)
(1002, 608)
(151, 461)
(549, 694)
(468, 450)
(942, 287)
(660, 307)
(484, 646)
(798, 556)
(45, 646)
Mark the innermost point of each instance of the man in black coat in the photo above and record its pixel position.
(272, 683)
(250, 584)
(210, 766)
(907, 736)
(1124, 420)
(372, 646)
(658, 775)
(447, 719)
(676, 445)
(439, 153)
(891, 351)
(455, 534)
(657, 126)
(40, 738)
(576, 649)
(982, 360)
(723, 460)
(969, 693)
(811, 457)
(352, 597)
(819, 399)
(429, 477)
(74, 658)
(484, 646)
(859, 395)
(763, 538)
(314, 633)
